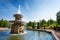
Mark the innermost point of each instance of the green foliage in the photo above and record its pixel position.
(33, 25)
(38, 25)
(58, 17)
(29, 24)
(50, 22)
(45, 24)
(54, 24)
(42, 22)
(4, 23)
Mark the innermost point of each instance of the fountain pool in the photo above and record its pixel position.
(30, 35)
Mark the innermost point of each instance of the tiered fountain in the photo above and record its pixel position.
(18, 25)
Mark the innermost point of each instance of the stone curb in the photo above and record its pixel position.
(54, 35)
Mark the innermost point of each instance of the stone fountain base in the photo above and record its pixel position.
(20, 33)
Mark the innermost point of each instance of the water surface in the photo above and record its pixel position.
(30, 35)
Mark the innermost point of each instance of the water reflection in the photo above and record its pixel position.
(38, 33)
(16, 37)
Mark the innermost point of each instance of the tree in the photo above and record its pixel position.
(4, 23)
(38, 25)
(34, 25)
(29, 24)
(42, 22)
(1, 23)
(50, 22)
(58, 17)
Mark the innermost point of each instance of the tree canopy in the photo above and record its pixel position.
(4, 23)
(42, 22)
(58, 17)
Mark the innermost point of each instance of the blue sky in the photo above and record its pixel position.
(32, 10)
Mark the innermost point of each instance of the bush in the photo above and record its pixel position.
(57, 28)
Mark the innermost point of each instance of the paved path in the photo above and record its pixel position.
(57, 34)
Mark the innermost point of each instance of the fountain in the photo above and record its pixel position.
(18, 25)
